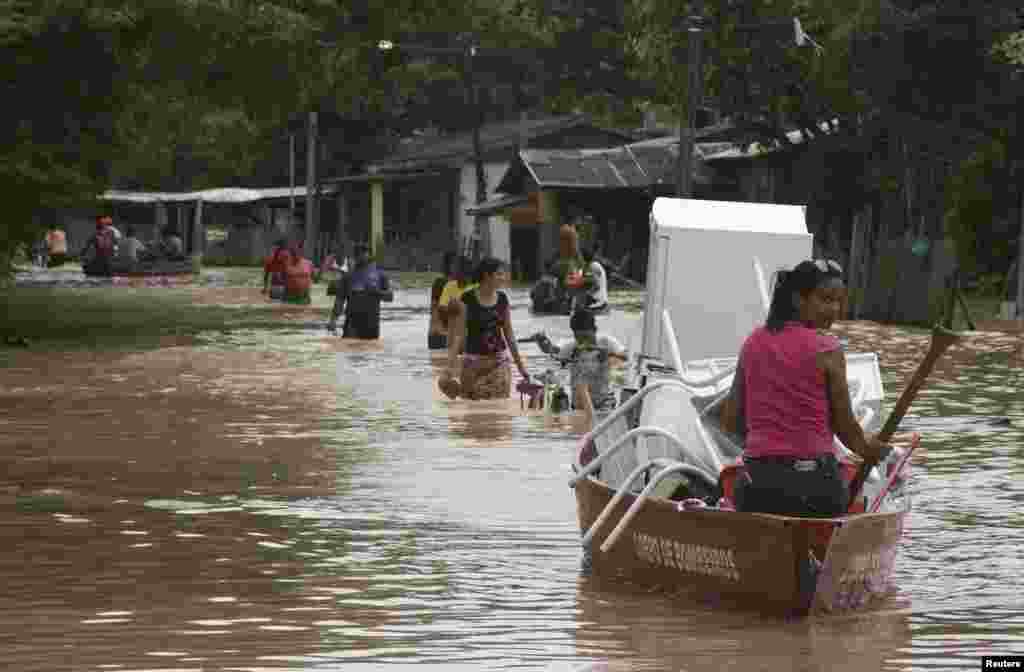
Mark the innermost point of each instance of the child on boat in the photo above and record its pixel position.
(589, 356)
(789, 396)
(482, 324)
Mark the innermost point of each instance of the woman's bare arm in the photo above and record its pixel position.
(510, 339)
(456, 334)
(731, 412)
(844, 423)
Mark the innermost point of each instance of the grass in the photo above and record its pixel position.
(144, 317)
(119, 318)
(95, 318)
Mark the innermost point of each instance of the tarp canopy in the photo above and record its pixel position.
(222, 195)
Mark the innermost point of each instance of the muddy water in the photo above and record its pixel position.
(279, 501)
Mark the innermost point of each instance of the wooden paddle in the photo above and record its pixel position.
(942, 338)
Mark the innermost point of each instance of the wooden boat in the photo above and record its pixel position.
(653, 480)
(779, 563)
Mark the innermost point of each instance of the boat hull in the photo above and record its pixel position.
(756, 560)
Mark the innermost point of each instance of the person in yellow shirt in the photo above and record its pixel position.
(454, 289)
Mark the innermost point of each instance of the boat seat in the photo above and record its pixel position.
(618, 466)
(672, 409)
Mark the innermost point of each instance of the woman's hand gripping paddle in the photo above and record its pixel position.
(942, 338)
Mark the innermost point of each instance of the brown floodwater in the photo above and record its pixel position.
(281, 500)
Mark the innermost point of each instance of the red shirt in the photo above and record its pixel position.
(785, 396)
(276, 260)
(298, 275)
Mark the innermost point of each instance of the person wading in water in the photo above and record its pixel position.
(359, 295)
(298, 277)
(273, 269)
(789, 396)
(482, 322)
(437, 332)
(589, 356)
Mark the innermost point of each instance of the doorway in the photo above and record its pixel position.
(525, 241)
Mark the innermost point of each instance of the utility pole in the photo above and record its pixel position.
(482, 243)
(291, 173)
(1020, 264)
(311, 219)
(694, 86)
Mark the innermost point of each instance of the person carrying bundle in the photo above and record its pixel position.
(482, 322)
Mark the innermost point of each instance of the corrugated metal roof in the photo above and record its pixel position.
(222, 195)
(639, 165)
(503, 135)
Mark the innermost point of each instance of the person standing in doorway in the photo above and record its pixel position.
(595, 284)
(359, 296)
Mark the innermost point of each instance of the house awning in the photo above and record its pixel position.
(222, 195)
(496, 205)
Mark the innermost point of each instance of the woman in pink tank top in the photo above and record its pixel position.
(789, 397)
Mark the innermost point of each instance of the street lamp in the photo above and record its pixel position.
(684, 162)
(468, 52)
(688, 131)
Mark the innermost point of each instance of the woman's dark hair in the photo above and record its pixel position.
(488, 265)
(588, 253)
(803, 279)
(583, 320)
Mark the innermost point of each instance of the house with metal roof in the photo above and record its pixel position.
(412, 204)
(607, 191)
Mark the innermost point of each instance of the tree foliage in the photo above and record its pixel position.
(179, 94)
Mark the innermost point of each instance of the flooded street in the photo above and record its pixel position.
(281, 500)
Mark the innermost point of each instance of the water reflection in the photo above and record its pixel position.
(289, 499)
(637, 629)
